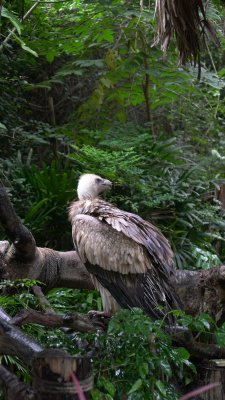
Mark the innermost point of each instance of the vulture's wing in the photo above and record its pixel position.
(136, 228)
(123, 266)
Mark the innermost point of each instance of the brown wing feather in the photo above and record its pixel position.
(145, 291)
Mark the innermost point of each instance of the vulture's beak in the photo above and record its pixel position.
(107, 184)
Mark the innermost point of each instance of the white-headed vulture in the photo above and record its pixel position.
(129, 259)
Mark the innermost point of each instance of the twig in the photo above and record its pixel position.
(46, 306)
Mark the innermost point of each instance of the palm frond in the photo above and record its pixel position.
(186, 20)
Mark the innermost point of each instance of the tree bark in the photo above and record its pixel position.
(76, 322)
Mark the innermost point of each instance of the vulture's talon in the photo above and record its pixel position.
(99, 319)
(101, 315)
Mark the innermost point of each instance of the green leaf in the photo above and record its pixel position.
(89, 298)
(90, 63)
(96, 394)
(3, 127)
(99, 304)
(23, 45)
(136, 386)
(110, 388)
(29, 50)
(166, 368)
(220, 335)
(7, 14)
(106, 34)
(143, 370)
(50, 56)
(182, 353)
(160, 385)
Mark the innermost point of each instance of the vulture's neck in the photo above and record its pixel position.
(87, 196)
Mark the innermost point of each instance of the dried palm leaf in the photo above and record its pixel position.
(186, 19)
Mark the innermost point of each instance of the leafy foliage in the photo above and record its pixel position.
(138, 351)
(44, 193)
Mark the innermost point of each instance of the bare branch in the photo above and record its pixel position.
(80, 323)
(15, 389)
(15, 342)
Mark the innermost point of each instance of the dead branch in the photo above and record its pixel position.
(14, 388)
(51, 367)
(14, 342)
(76, 322)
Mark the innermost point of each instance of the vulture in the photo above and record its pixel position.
(128, 258)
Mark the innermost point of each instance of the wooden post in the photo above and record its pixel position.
(212, 371)
(52, 375)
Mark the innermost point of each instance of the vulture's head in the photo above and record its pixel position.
(90, 186)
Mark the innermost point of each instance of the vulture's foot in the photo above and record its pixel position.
(99, 318)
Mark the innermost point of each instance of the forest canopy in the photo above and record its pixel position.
(107, 87)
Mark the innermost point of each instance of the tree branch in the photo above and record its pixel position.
(198, 349)
(15, 342)
(15, 389)
(80, 323)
